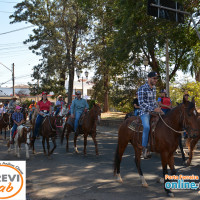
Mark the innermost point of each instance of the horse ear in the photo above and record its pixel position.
(177, 103)
(193, 101)
(184, 100)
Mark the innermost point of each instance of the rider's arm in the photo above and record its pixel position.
(50, 109)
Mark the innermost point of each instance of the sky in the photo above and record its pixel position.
(12, 49)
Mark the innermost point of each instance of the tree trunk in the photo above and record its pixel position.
(106, 89)
(197, 76)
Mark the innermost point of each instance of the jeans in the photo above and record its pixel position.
(146, 128)
(165, 110)
(38, 123)
(57, 111)
(77, 117)
(14, 128)
(136, 112)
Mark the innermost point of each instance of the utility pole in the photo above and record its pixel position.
(13, 78)
(167, 68)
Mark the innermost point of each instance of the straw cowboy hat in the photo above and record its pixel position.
(14, 97)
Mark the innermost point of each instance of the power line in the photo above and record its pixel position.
(17, 30)
(5, 12)
(8, 2)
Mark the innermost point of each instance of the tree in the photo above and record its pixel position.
(57, 38)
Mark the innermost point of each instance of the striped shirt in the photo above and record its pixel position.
(147, 99)
(17, 116)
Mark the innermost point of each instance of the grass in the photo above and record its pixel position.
(113, 116)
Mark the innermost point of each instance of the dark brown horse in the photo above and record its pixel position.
(48, 130)
(4, 122)
(191, 143)
(165, 140)
(88, 128)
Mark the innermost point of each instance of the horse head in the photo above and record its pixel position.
(96, 109)
(59, 121)
(190, 116)
(6, 118)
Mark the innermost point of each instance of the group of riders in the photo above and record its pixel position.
(43, 108)
(146, 103)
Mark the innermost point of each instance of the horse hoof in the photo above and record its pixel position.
(34, 152)
(187, 163)
(119, 179)
(170, 194)
(145, 185)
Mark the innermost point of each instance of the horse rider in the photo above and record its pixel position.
(147, 103)
(164, 102)
(32, 108)
(59, 104)
(43, 108)
(18, 119)
(2, 109)
(12, 104)
(79, 105)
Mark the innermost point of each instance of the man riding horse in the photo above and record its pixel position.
(79, 105)
(147, 102)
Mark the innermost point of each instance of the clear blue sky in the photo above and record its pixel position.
(12, 49)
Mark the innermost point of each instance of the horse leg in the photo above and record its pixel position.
(75, 147)
(95, 142)
(5, 133)
(54, 144)
(27, 151)
(164, 159)
(118, 157)
(48, 146)
(171, 165)
(137, 162)
(181, 148)
(43, 144)
(67, 138)
(192, 145)
(85, 143)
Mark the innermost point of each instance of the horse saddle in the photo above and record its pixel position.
(136, 124)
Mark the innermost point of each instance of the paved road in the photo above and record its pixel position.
(70, 176)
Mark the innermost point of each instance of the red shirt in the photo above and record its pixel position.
(44, 106)
(166, 101)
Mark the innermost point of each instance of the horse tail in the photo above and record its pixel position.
(116, 160)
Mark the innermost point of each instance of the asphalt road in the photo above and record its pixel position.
(71, 176)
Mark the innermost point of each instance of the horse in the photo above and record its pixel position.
(190, 143)
(48, 130)
(164, 138)
(22, 136)
(88, 128)
(4, 122)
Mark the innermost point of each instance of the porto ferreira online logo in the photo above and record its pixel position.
(11, 181)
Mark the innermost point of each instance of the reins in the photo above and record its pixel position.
(181, 132)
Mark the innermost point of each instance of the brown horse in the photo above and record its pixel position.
(88, 128)
(191, 143)
(4, 122)
(165, 138)
(48, 130)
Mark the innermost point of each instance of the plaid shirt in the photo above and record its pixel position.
(147, 99)
(17, 116)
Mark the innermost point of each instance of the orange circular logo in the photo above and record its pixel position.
(11, 181)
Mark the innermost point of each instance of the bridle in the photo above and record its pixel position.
(184, 125)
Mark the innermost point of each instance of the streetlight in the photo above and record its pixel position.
(13, 78)
(78, 73)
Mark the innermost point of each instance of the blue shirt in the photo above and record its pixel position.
(147, 99)
(78, 105)
(17, 116)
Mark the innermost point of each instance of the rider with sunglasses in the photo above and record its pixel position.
(147, 103)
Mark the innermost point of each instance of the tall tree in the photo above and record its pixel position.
(57, 38)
